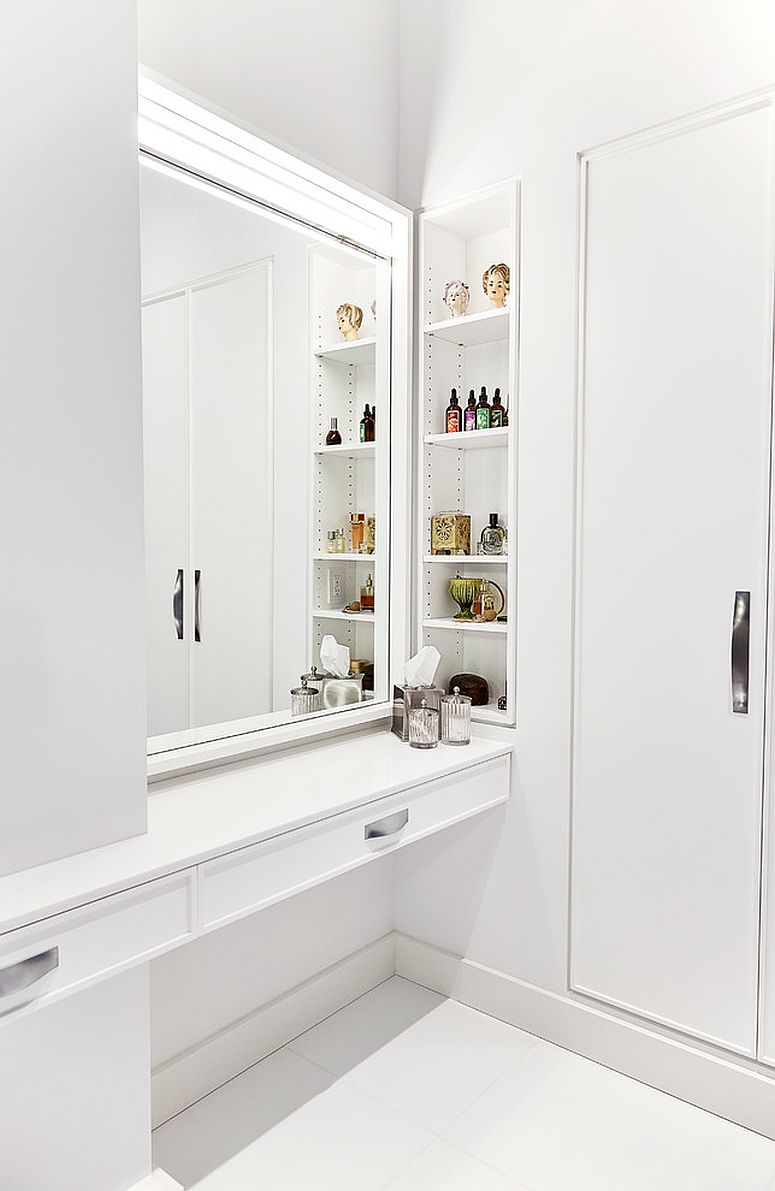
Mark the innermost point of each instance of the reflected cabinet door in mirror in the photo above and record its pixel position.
(266, 431)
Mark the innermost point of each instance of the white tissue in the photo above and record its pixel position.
(334, 658)
(421, 669)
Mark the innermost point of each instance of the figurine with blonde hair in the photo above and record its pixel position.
(456, 297)
(496, 284)
(349, 318)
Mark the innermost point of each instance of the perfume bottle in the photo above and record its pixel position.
(483, 411)
(357, 532)
(496, 411)
(341, 544)
(469, 414)
(333, 438)
(454, 415)
(331, 541)
(493, 537)
(367, 426)
(367, 595)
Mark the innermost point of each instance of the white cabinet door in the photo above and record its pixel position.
(231, 497)
(673, 515)
(166, 497)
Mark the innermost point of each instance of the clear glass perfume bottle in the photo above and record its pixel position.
(493, 537)
(367, 595)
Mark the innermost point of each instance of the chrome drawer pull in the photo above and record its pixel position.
(28, 971)
(390, 825)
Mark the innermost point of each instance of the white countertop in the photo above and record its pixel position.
(193, 818)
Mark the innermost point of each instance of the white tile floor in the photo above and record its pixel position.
(406, 1091)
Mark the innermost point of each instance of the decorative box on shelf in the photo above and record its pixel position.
(451, 533)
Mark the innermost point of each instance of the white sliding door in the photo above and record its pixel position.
(673, 519)
(231, 497)
(167, 579)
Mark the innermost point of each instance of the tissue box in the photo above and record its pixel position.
(451, 533)
(405, 698)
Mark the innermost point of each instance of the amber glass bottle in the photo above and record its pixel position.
(483, 411)
(454, 415)
(469, 415)
(497, 411)
(333, 438)
(367, 426)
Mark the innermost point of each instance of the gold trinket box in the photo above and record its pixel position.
(451, 533)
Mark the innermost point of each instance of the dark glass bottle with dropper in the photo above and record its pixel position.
(483, 411)
(496, 411)
(367, 426)
(454, 415)
(469, 414)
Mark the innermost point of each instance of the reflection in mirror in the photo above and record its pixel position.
(266, 434)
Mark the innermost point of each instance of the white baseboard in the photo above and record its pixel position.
(158, 1181)
(719, 1085)
(187, 1077)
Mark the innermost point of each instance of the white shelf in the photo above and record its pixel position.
(465, 626)
(470, 440)
(324, 556)
(352, 351)
(483, 560)
(332, 614)
(354, 450)
(472, 329)
(489, 714)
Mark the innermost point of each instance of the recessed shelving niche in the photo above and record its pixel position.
(345, 479)
(473, 472)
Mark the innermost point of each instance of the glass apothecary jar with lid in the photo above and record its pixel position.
(456, 718)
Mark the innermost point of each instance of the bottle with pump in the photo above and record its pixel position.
(454, 415)
(497, 411)
(333, 438)
(483, 411)
(367, 426)
(469, 414)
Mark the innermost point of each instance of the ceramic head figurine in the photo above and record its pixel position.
(496, 283)
(457, 295)
(349, 317)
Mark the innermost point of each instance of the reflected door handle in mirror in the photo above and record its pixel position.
(27, 972)
(197, 605)
(382, 829)
(177, 605)
(740, 652)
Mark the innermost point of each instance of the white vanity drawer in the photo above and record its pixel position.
(69, 951)
(244, 881)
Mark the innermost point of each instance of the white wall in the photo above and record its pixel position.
(72, 668)
(319, 75)
(489, 89)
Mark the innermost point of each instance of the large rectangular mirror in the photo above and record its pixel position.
(266, 399)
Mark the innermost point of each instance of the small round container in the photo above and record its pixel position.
(456, 718)
(304, 698)
(423, 727)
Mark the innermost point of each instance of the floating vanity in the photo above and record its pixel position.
(227, 843)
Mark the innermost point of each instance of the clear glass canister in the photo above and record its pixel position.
(423, 727)
(304, 698)
(456, 718)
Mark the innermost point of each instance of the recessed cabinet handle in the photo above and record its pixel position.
(177, 605)
(741, 631)
(28, 971)
(390, 825)
(197, 605)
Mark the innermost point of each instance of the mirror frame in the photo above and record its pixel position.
(180, 131)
